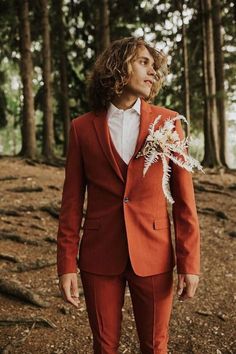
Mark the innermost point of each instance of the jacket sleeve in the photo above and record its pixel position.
(186, 225)
(71, 212)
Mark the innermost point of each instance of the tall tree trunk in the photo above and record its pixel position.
(26, 70)
(186, 68)
(211, 146)
(206, 119)
(64, 96)
(104, 26)
(48, 131)
(220, 78)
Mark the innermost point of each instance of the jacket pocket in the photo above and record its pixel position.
(159, 224)
(92, 224)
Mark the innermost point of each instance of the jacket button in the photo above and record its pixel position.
(126, 199)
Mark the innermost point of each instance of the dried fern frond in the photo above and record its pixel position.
(164, 143)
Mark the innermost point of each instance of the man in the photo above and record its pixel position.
(126, 237)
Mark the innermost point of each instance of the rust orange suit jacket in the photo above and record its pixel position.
(123, 216)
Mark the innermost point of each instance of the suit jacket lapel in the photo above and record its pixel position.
(148, 116)
(102, 130)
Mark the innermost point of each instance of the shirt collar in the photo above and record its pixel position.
(113, 110)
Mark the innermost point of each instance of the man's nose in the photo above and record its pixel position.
(151, 71)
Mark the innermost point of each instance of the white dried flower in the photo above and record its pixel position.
(165, 143)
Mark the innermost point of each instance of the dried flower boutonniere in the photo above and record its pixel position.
(164, 143)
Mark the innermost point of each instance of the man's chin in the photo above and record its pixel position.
(145, 96)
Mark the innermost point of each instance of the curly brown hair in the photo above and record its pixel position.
(112, 71)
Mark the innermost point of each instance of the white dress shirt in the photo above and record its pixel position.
(124, 128)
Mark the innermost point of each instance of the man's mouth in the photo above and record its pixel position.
(149, 82)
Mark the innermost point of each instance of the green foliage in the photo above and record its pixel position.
(158, 20)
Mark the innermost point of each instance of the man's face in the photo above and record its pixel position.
(143, 74)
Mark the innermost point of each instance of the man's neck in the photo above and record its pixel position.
(122, 102)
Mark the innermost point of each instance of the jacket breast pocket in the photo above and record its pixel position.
(92, 224)
(162, 223)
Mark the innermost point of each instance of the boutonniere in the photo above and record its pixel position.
(164, 143)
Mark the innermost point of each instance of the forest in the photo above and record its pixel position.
(48, 49)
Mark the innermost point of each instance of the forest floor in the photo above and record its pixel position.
(204, 325)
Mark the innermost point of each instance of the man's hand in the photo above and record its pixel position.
(68, 284)
(187, 285)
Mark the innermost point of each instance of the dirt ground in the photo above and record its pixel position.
(204, 325)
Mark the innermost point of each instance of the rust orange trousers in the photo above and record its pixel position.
(152, 303)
